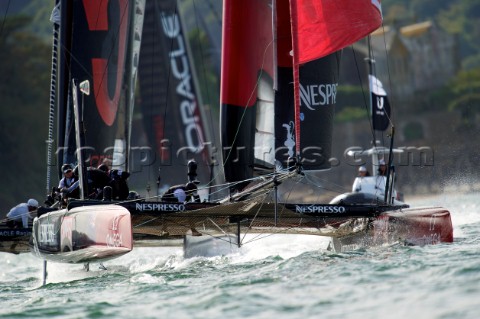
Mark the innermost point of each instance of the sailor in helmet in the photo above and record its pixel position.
(382, 168)
(357, 184)
(187, 192)
(362, 171)
(68, 177)
(182, 193)
(20, 215)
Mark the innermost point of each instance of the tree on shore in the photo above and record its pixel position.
(24, 92)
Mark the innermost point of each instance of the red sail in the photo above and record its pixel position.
(321, 27)
(326, 26)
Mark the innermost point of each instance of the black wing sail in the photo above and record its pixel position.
(95, 41)
(170, 100)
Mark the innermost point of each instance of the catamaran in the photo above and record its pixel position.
(279, 84)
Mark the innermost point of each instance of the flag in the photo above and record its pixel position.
(380, 105)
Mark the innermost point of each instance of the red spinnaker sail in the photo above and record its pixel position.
(326, 26)
(321, 27)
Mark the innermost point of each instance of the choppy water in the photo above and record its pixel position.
(441, 281)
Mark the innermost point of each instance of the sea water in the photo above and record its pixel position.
(440, 281)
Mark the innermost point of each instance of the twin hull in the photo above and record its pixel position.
(416, 226)
(99, 232)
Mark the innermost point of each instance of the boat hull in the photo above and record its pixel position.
(83, 234)
(406, 226)
(412, 226)
(14, 240)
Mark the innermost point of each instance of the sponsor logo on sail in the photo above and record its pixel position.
(180, 68)
(315, 95)
(319, 209)
(289, 141)
(148, 207)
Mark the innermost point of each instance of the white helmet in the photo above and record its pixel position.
(32, 202)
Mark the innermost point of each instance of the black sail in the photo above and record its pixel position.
(174, 123)
(318, 95)
(96, 38)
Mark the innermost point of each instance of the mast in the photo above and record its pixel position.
(296, 77)
(380, 115)
(370, 63)
(55, 19)
(63, 97)
(80, 140)
(133, 55)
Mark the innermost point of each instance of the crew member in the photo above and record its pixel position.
(357, 184)
(20, 215)
(182, 193)
(68, 177)
(382, 168)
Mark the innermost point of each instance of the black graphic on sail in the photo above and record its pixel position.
(318, 91)
(170, 102)
(380, 104)
(96, 45)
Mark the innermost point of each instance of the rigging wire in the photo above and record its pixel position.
(339, 188)
(204, 69)
(374, 73)
(5, 17)
(389, 76)
(365, 103)
(213, 10)
(167, 90)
